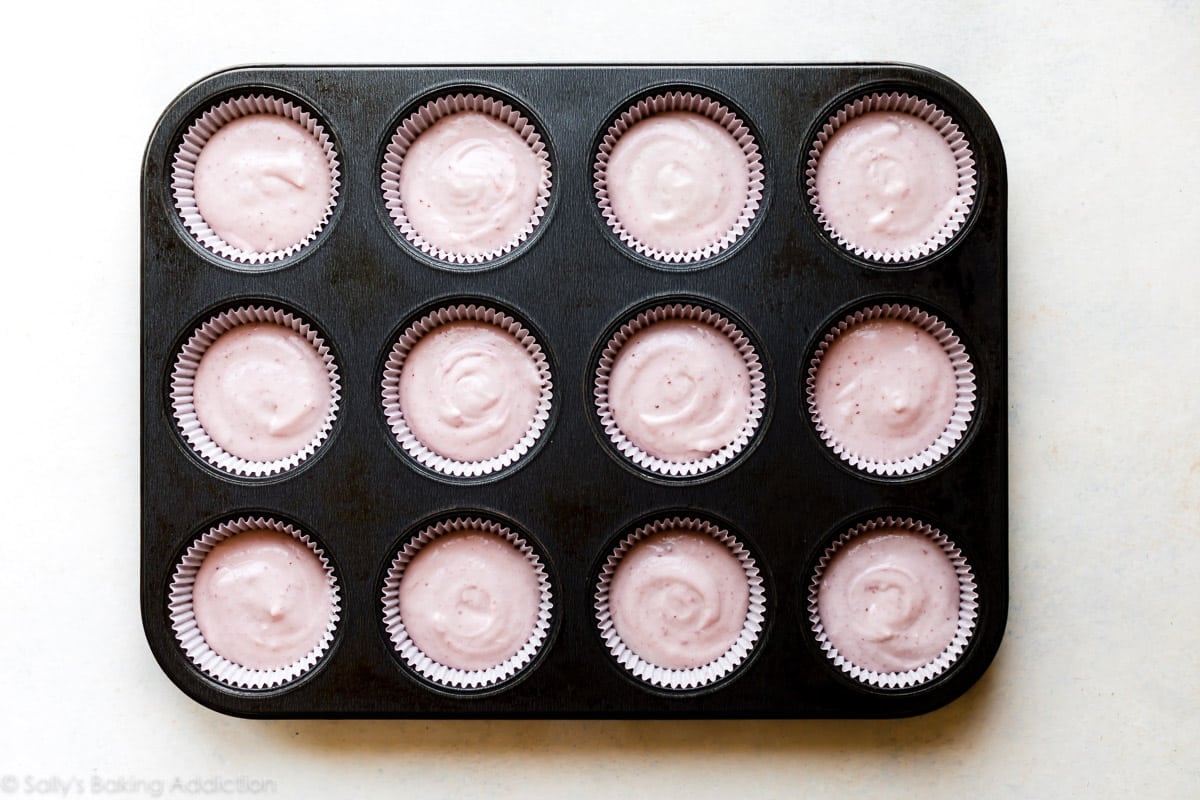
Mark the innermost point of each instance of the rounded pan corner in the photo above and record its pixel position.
(981, 121)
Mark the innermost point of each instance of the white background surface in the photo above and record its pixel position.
(1096, 690)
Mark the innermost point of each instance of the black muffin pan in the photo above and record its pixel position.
(787, 496)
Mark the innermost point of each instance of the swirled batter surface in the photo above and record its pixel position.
(262, 183)
(679, 599)
(469, 600)
(677, 181)
(469, 184)
(887, 181)
(262, 599)
(262, 391)
(469, 390)
(889, 600)
(885, 390)
(680, 390)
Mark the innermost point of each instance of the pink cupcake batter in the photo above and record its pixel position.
(262, 392)
(889, 601)
(680, 390)
(262, 599)
(469, 391)
(679, 599)
(887, 182)
(885, 390)
(469, 184)
(262, 183)
(469, 600)
(677, 181)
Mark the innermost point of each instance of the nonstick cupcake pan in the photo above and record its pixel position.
(573, 496)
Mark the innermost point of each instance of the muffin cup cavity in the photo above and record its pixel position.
(183, 169)
(183, 378)
(422, 120)
(696, 677)
(710, 109)
(941, 122)
(192, 641)
(968, 609)
(441, 674)
(634, 453)
(964, 400)
(394, 368)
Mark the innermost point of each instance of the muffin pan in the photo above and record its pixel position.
(572, 496)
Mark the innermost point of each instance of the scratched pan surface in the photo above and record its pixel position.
(787, 497)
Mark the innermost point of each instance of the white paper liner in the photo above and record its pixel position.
(183, 620)
(758, 390)
(695, 677)
(184, 165)
(184, 374)
(422, 120)
(943, 124)
(964, 380)
(706, 107)
(968, 608)
(440, 673)
(394, 368)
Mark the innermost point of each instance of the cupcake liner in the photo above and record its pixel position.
(943, 124)
(696, 677)
(758, 390)
(184, 164)
(440, 673)
(394, 368)
(422, 120)
(964, 378)
(188, 634)
(968, 608)
(183, 378)
(706, 107)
